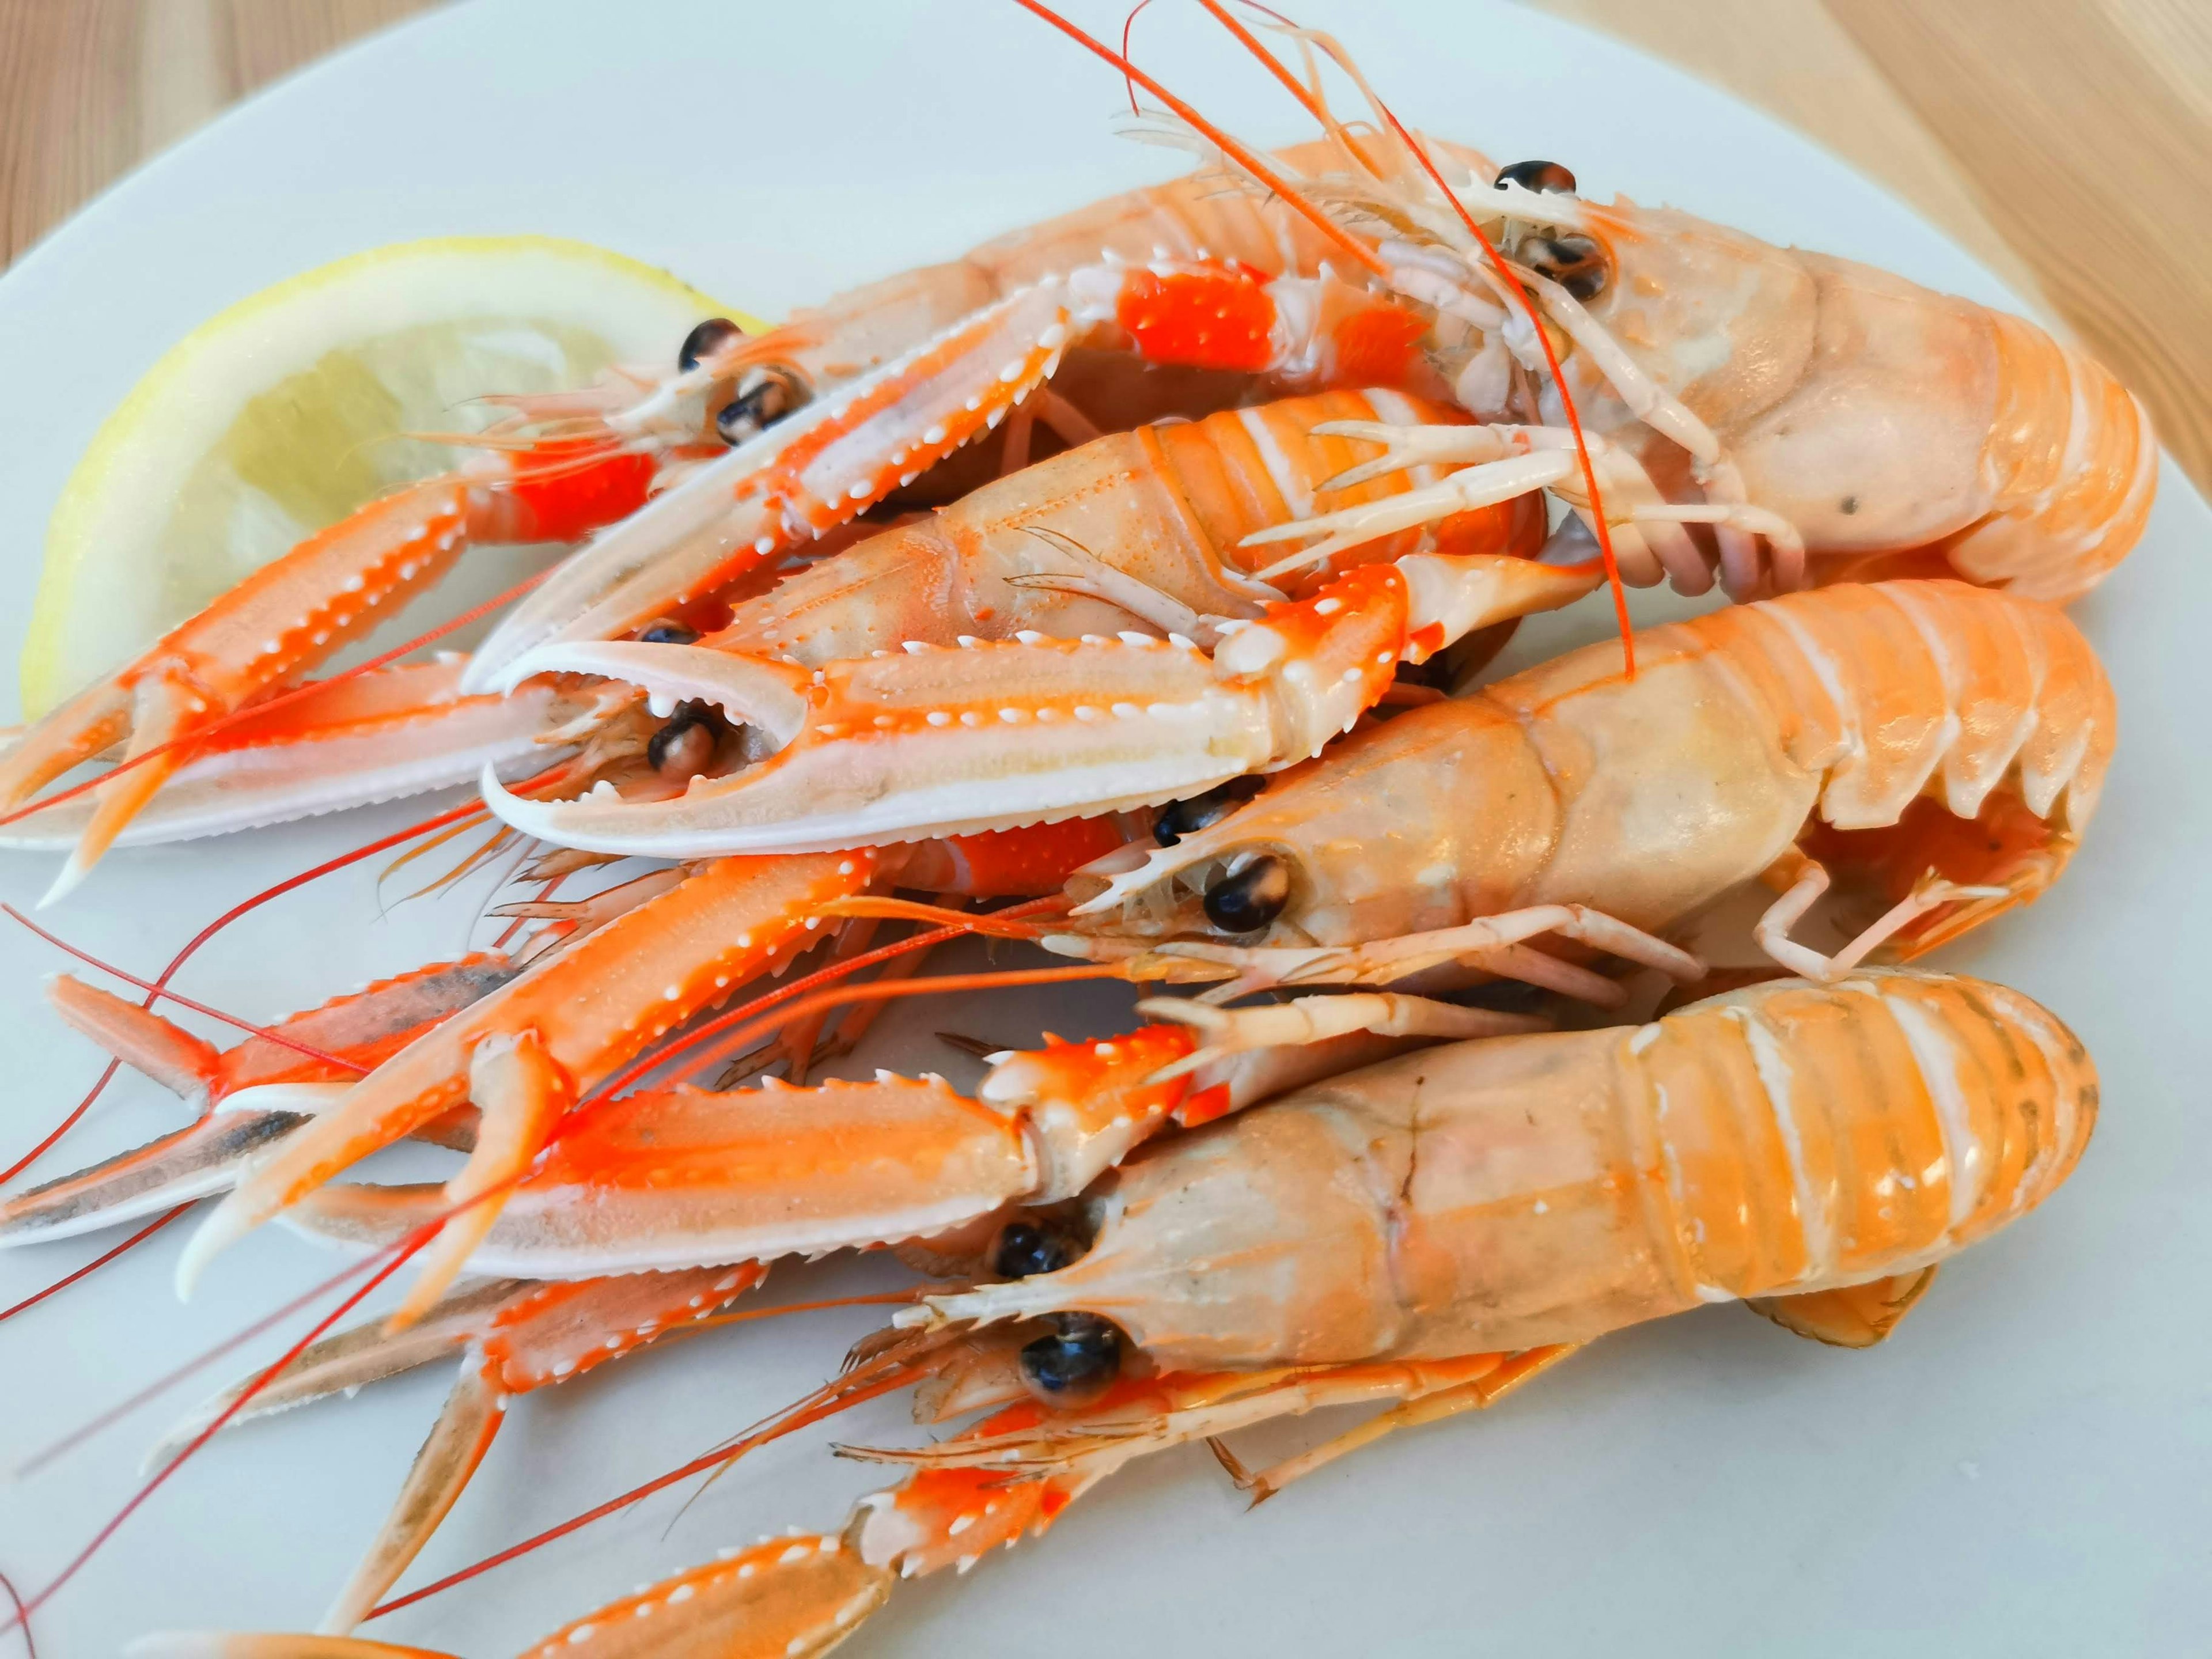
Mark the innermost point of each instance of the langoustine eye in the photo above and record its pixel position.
(1543, 176)
(683, 748)
(1025, 1248)
(772, 394)
(704, 341)
(1179, 818)
(1250, 897)
(1076, 1363)
(1576, 263)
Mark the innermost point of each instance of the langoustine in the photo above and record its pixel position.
(1822, 407)
(1869, 726)
(680, 1175)
(1426, 1234)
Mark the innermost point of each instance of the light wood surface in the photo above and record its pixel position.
(2068, 144)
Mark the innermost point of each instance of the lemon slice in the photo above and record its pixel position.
(288, 410)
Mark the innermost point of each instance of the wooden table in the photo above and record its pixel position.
(2067, 142)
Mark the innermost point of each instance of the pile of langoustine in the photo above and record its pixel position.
(1179, 688)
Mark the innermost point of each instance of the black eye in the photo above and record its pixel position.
(1075, 1364)
(1576, 263)
(683, 748)
(762, 404)
(1539, 175)
(704, 341)
(1024, 1249)
(668, 633)
(1179, 818)
(1249, 900)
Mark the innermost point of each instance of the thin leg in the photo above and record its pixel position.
(1483, 485)
(1316, 1019)
(1492, 943)
(1093, 578)
(1772, 931)
(1014, 454)
(1068, 423)
(1740, 527)
(1472, 1395)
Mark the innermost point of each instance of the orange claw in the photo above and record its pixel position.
(677, 1176)
(593, 1006)
(785, 1598)
(293, 614)
(932, 742)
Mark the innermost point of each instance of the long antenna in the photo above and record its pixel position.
(1244, 155)
(1313, 107)
(400, 1256)
(182, 1000)
(852, 1389)
(95, 1265)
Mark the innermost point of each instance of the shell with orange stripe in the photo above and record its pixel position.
(1790, 1139)
(1165, 506)
(1426, 1235)
(1882, 730)
(1201, 217)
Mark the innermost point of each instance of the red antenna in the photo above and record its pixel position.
(1246, 157)
(400, 1255)
(181, 1000)
(23, 1617)
(100, 1085)
(383, 844)
(1520, 293)
(881, 1375)
(95, 1264)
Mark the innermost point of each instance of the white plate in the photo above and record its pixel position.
(2022, 1471)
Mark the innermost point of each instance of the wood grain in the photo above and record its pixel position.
(88, 89)
(2085, 130)
(2068, 144)
(1792, 59)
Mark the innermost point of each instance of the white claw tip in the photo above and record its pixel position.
(224, 1227)
(72, 872)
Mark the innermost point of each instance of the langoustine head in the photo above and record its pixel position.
(1408, 824)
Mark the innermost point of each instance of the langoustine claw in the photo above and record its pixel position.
(995, 736)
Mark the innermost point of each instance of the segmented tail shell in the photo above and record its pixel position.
(2073, 463)
(1815, 1135)
(1883, 688)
